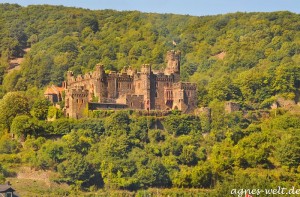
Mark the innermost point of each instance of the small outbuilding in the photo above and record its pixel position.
(7, 191)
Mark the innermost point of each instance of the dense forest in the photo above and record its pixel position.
(250, 58)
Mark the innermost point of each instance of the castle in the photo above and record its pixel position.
(145, 90)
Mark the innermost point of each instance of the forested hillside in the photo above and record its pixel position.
(259, 51)
(250, 58)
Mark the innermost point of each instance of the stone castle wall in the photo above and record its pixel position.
(145, 90)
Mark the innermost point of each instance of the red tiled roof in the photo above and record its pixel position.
(54, 90)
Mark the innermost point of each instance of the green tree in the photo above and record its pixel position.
(117, 123)
(76, 170)
(4, 64)
(202, 176)
(2, 176)
(40, 109)
(91, 22)
(22, 125)
(49, 155)
(79, 141)
(9, 145)
(287, 150)
(182, 124)
(188, 155)
(12, 104)
(182, 178)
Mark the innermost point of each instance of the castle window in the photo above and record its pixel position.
(156, 94)
(82, 101)
(77, 100)
(131, 104)
(156, 84)
(139, 85)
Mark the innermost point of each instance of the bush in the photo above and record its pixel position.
(9, 145)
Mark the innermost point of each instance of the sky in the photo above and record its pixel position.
(190, 7)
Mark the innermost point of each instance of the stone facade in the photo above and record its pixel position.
(148, 89)
(231, 107)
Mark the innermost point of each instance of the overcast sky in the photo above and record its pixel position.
(191, 7)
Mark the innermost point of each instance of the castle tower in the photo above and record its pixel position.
(100, 88)
(70, 78)
(76, 102)
(147, 86)
(173, 64)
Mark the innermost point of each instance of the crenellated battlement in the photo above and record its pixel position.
(173, 62)
(78, 92)
(134, 96)
(185, 86)
(146, 69)
(163, 77)
(173, 55)
(70, 74)
(126, 78)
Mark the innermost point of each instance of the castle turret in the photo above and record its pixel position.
(100, 70)
(76, 102)
(130, 71)
(146, 69)
(70, 77)
(173, 62)
(100, 83)
(69, 74)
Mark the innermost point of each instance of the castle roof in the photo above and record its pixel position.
(53, 90)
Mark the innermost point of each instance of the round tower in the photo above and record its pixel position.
(173, 62)
(100, 89)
